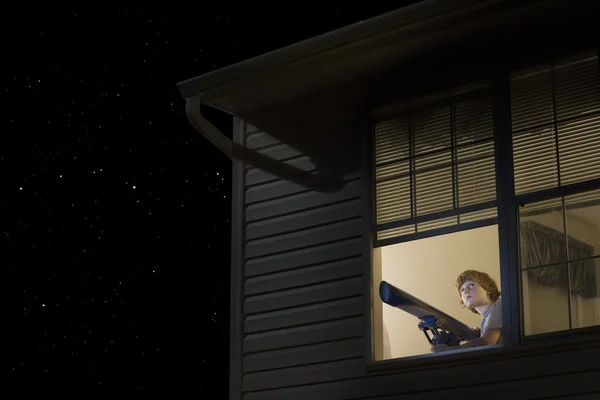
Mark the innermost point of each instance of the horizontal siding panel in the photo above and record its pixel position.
(256, 176)
(303, 277)
(277, 189)
(305, 375)
(258, 139)
(304, 238)
(547, 387)
(278, 152)
(305, 295)
(333, 310)
(485, 373)
(317, 353)
(304, 257)
(302, 201)
(271, 190)
(304, 335)
(306, 219)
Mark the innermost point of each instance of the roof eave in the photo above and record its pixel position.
(372, 27)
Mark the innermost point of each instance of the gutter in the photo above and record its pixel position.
(236, 152)
(229, 80)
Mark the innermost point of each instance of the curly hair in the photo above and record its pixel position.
(483, 280)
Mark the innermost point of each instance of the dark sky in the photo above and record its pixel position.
(114, 212)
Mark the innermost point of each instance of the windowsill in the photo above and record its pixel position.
(431, 360)
(483, 354)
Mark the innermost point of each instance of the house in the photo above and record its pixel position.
(444, 136)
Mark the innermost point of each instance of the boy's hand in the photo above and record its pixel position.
(437, 348)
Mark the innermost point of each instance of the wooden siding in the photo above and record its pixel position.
(303, 329)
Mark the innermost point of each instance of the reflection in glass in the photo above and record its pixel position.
(542, 236)
(559, 242)
(585, 305)
(583, 218)
(546, 308)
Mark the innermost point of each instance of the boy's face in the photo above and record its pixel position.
(473, 295)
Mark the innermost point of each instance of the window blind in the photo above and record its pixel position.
(555, 112)
(435, 167)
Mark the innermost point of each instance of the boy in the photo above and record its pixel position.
(480, 294)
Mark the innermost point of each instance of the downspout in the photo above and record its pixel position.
(310, 180)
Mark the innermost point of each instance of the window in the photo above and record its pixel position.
(556, 146)
(434, 168)
(560, 262)
(435, 205)
(436, 210)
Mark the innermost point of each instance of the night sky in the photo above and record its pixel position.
(114, 213)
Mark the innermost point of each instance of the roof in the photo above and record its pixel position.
(334, 58)
(314, 95)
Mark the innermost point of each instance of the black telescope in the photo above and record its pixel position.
(438, 327)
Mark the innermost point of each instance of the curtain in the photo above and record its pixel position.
(541, 245)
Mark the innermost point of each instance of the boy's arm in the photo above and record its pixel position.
(490, 336)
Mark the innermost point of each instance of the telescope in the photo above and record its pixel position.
(438, 327)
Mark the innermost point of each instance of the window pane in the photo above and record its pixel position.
(560, 269)
(391, 141)
(545, 307)
(579, 148)
(428, 269)
(585, 306)
(395, 232)
(479, 215)
(531, 99)
(473, 120)
(577, 87)
(476, 174)
(542, 234)
(437, 223)
(436, 159)
(583, 224)
(433, 183)
(543, 251)
(392, 192)
(432, 130)
(556, 124)
(535, 161)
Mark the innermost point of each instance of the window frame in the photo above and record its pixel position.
(515, 343)
(451, 100)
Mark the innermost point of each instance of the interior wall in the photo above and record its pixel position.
(545, 309)
(428, 268)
